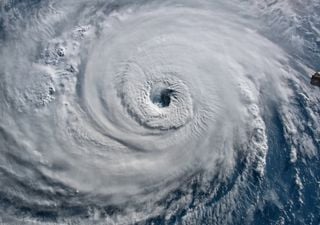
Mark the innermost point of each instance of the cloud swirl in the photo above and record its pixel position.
(117, 113)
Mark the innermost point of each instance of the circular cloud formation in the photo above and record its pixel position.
(121, 113)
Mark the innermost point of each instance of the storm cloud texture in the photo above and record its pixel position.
(159, 112)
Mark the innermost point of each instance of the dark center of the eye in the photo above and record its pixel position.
(161, 98)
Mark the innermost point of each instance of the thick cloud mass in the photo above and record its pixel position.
(154, 112)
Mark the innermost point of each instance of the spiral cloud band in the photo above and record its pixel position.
(149, 112)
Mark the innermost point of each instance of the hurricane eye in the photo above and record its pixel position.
(162, 97)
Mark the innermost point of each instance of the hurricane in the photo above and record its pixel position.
(159, 112)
